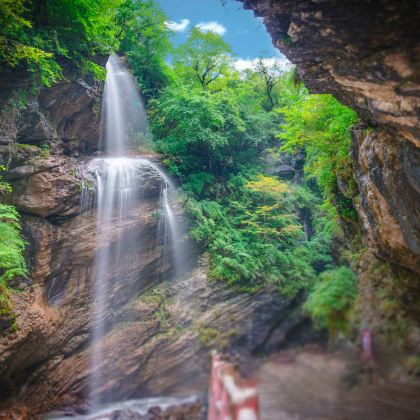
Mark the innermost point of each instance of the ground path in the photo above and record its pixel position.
(312, 385)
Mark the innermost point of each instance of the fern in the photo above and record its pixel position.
(12, 262)
(331, 299)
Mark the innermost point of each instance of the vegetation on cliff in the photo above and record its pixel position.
(319, 125)
(12, 245)
(35, 34)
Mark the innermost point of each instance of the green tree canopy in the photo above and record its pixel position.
(145, 41)
(205, 56)
(35, 33)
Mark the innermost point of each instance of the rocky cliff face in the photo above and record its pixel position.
(63, 119)
(162, 330)
(159, 329)
(387, 172)
(366, 54)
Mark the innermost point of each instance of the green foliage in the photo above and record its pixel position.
(42, 64)
(45, 151)
(198, 182)
(4, 186)
(203, 58)
(199, 131)
(212, 138)
(12, 263)
(256, 239)
(319, 125)
(35, 33)
(145, 41)
(331, 299)
(213, 125)
(89, 67)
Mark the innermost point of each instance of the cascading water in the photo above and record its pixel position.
(119, 182)
(124, 119)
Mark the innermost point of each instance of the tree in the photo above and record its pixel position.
(206, 55)
(145, 41)
(197, 129)
(320, 125)
(270, 75)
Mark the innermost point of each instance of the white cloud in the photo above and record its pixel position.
(212, 26)
(179, 26)
(243, 64)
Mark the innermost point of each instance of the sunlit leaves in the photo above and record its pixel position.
(144, 39)
(34, 34)
(267, 185)
(205, 56)
(320, 125)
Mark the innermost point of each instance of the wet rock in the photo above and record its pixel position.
(164, 329)
(35, 128)
(64, 118)
(161, 408)
(125, 414)
(53, 315)
(74, 109)
(45, 187)
(155, 411)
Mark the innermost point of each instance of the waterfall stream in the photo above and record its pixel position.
(120, 185)
(124, 120)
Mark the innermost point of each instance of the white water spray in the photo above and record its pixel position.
(119, 182)
(123, 114)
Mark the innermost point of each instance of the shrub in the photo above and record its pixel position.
(331, 299)
(12, 263)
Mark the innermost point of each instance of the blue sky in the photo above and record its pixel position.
(245, 33)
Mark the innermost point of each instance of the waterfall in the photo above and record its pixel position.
(124, 119)
(119, 181)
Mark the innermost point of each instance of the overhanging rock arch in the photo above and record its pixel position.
(365, 53)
